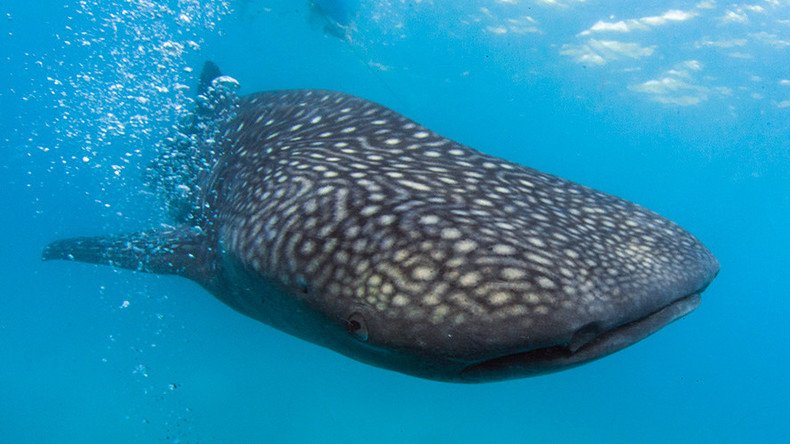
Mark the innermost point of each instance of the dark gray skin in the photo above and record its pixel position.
(346, 224)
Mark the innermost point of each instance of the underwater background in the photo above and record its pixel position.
(683, 107)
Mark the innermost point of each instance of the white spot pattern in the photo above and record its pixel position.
(363, 206)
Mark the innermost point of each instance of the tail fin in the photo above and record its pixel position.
(183, 251)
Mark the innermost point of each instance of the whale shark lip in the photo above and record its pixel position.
(584, 347)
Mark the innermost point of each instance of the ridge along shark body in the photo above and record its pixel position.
(346, 224)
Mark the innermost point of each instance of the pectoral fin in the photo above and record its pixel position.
(183, 251)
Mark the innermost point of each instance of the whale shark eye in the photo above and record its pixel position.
(356, 325)
(301, 284)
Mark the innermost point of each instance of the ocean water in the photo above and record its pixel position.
(683, 107)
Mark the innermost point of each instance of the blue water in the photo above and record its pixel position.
(681, 107)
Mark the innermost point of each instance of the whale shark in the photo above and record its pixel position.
(338, 17)
(344, 223)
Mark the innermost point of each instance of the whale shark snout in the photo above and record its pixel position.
(595, 344)
(583, 307)
(593, 340)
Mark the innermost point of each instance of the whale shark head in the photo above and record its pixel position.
(342, 222)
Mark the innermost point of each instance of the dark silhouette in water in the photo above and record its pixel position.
(345, 223)
(338, 17)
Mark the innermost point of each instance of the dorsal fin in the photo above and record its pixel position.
(209, 72)
(185, 158)
(184, 251)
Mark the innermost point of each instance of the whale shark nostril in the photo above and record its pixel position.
(584, 335)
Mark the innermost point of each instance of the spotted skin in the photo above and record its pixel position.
(345, 223)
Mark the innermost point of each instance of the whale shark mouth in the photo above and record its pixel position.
(586, 345)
